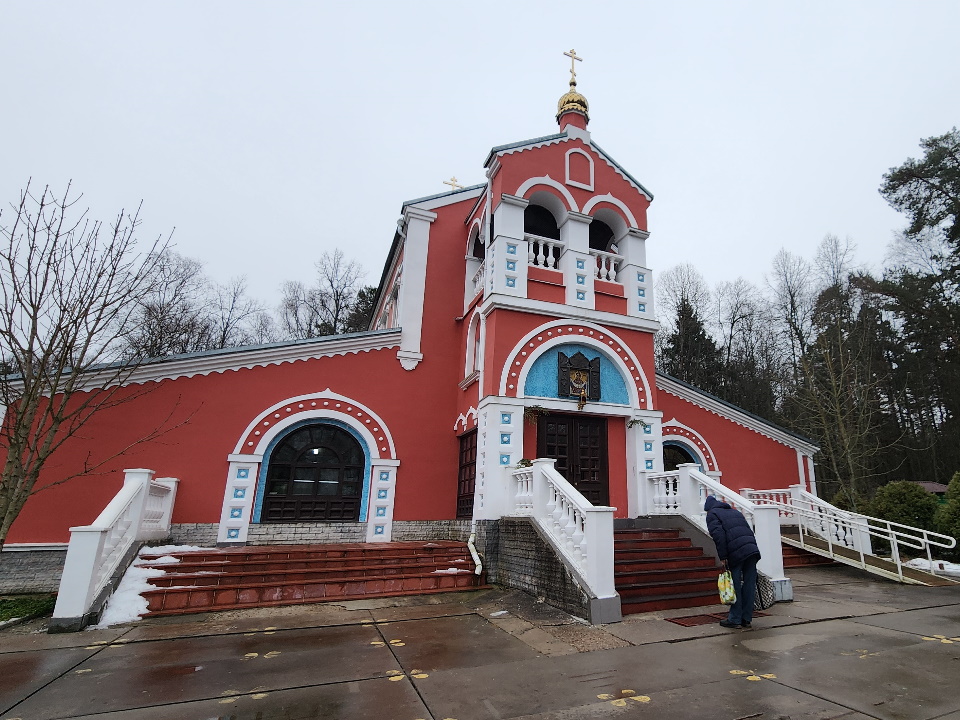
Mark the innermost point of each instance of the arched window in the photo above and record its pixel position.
(540, 221)
(474, 346)
(314, 474)
(675, 454)
(601, 235)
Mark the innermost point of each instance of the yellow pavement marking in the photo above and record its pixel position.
(739, 672)
(754, 676)
(378, 643)
(420, 676)
(605, 696)
(250, 656)
(395, 678)
(227, 701)
(640, 698)
(394, 672)
(272, 654)
(259, 696)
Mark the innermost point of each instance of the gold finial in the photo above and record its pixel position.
(452, 182)
(573, 66)
(572, 100)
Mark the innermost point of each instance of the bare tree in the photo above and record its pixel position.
(324, 308)
(793, 298)
(69, 290)
(173, 316)
(238, 318)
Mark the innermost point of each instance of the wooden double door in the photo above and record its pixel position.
(579, 445)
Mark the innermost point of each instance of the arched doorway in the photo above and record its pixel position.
(675, 454)
(315, 474)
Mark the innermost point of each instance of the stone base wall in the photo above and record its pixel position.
(31, 571)
(458, 530)
(515, 555)
(199, 534)
(305, 533)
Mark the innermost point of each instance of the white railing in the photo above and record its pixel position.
(684, 492)
(581, 532)
(140, 511)
(544, 252)
(817, 518)
(479, 278)
(608, 265)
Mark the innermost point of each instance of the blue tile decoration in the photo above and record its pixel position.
(581, 280)
(382, 494)
(511, 249)
(647, 429)
(504, 438)
(649, 464)
(504, 459)
(581, 295)
(641, 277)
(239, 493)
(580, 265)
(384, 475)
(381, 512)
(243, 473)
(511, 282)
(236, 512)
(378, 530)
(648, 447)
(641, 292)
(511, 265)
(641, 307)
(506, 418)
(233, 533)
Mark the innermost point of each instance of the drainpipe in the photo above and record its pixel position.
(473, 549)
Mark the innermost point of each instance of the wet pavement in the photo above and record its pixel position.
(850, 646)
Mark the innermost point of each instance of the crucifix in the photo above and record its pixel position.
(452, 182)
(573, 59)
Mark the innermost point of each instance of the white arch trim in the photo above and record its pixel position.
(326, 405)
(575, 183)
(667, 436)
(559, 335)
(464, 418)
(549, 182)
(608, 198)
(475, 224)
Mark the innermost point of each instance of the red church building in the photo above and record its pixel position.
(514, 323)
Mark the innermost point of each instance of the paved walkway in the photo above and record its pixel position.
(848, 647)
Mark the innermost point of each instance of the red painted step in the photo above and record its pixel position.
(660, 569)
(798, 557)
(247, 577)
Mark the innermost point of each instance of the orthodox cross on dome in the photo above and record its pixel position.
(573, 65)
(452, 182)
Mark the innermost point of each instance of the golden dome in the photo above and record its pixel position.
(572, 101)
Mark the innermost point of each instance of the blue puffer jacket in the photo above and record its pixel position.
(730, 531)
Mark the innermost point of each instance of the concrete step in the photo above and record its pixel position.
(633, 592)
(664, 575)
(238, 578)
(669, 602)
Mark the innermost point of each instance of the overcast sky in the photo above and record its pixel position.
(266, 133)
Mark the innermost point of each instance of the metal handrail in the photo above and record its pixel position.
(831, 519)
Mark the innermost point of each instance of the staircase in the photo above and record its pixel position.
(658, 569)
(794, 557)
(268, 576)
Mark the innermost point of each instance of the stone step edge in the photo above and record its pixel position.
(308, 601)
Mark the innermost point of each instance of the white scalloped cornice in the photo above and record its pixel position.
(738, 417)
(252, 357)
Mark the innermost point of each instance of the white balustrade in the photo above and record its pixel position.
(478, 279)
(141, 510)
(684, 492)
(608, 265)
(544, 252)
(581, 532)
(817, 518)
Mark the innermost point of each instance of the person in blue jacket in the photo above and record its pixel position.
(738, 549)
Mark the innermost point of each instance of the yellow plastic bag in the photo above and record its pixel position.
(728, 596)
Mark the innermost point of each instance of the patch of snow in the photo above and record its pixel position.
(450, 571)
(127, 604)
(940, 567)
(162, 560)
(167, 549)
(498, 613)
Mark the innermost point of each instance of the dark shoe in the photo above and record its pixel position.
(746, 626)
(731, 625)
